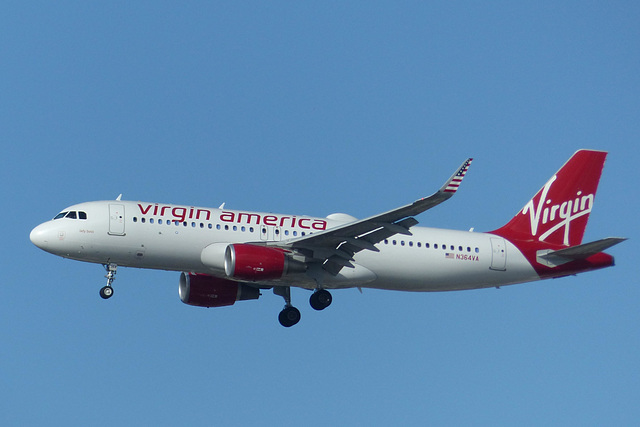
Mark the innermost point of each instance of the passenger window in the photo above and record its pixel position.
(468, 249)
(160, 221)
(435, 246)
(82, 215)
(150, 220)
(477, 250)
(419, 244)
(135, 219)
(143, 220)
(426, 245)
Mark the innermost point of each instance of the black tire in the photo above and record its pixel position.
(106, 292)
(320, 299)
(289, 317)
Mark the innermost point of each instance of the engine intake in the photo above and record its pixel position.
(203, 290)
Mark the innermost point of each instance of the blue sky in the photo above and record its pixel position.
(315, 108)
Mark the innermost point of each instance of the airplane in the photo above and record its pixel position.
(226, 255)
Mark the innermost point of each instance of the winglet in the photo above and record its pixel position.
(454, 182)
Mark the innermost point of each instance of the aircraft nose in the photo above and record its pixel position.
(40, 236)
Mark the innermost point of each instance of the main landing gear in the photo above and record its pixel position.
(107, 291)
(320, 299)
(290, 315)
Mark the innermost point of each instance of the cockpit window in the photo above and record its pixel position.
(71, 215)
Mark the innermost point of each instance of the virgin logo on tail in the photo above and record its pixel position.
(559, 212)
(564, 212)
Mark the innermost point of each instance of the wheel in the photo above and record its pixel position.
(106, 292)
(289, 316)
(320, 299)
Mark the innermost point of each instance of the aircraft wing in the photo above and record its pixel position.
(335, 247)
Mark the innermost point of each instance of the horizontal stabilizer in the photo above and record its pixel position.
(585, 250)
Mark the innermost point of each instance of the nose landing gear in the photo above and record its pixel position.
(107, 291)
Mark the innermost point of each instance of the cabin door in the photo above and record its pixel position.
(498, 254)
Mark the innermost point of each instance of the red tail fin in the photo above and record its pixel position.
(559, 212)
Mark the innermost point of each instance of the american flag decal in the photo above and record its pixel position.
(449, 255)
(454, 183)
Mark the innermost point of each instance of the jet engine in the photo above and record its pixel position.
(203, 290)
(256, 263)
(244, 261)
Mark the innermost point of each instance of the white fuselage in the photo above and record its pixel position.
(171, 237)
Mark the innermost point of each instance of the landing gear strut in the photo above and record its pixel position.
(289, 315)
(107, 291)
(320, 299)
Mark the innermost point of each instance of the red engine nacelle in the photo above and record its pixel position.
(203, 290)
(255, 263)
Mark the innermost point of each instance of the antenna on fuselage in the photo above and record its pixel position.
(222, 205)
(119, 197)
